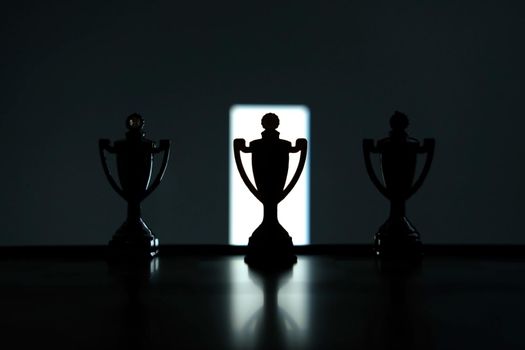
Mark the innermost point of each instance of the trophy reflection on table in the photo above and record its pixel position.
(134, 279)
(270, 245)
(271, 327)
(397, 237)
(134, 157)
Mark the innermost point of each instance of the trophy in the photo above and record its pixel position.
(397, 237)
(134, 157)
(270, 245)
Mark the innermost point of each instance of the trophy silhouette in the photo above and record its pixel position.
(134, 157)
(397, 237)
(270, 245)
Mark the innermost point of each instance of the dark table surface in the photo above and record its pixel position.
(217, 302)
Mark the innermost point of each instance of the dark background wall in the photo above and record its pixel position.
(72, 71)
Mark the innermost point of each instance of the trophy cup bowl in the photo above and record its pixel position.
(134, 158)
(270, 245)
(397, 237)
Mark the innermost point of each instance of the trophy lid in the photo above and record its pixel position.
(398, 124)
(399, 121)
(135, 125)
(270, 122)
(135, 122)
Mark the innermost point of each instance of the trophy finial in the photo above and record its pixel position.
(135, 122)
(399, 122)
(270, 121)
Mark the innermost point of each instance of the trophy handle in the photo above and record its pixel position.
(104, 144)
(164, 146)
(428, 148)
(238, 146)
(368, 148)
(302, 146)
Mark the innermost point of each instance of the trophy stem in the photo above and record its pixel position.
(397, 237)
(397, 208)
(134, 211)
(270, 213)
(270, 246)
(134, 238)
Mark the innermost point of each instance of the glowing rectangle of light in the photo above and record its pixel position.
(246, 212)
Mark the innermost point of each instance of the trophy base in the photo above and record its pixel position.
(397, 238)
(133, 240)
(270, 247)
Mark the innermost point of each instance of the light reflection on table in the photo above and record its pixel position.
(269, 310)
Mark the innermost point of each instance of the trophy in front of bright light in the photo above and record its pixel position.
(397, 237)
(134, 157)
(270, 244)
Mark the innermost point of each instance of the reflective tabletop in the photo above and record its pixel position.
(218, 302)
